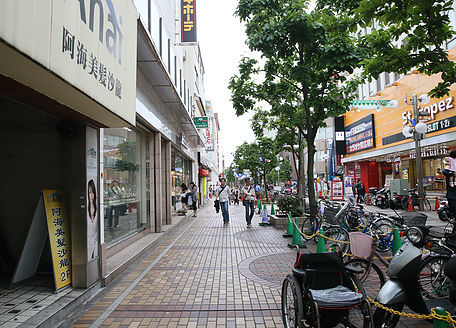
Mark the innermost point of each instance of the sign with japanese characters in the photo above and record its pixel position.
(90, 44)
(337, 190)
(59, 236)
(201, 122)
(208, 134)
(360, 135)
(188, 20)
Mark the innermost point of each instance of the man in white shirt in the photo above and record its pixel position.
(223, 195)
(249, 197)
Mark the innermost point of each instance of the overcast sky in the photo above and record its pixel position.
(222, 41)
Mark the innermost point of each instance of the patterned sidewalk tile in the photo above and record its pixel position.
(213, 275)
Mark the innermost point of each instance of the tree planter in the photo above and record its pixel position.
(281, 221)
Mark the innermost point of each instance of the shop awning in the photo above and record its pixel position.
(154, 71)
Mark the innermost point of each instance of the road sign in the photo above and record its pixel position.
(201, 122)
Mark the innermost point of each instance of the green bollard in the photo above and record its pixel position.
(397, 242)
(259, 207)
(321, 247)
(290, 227)
(440, 323)
(272, 209)
(296, 236)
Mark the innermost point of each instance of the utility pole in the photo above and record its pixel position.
(419, 164)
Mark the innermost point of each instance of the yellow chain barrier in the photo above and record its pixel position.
(447, 317)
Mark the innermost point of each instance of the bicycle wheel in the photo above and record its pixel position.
(292, 311)
(427, 204)
(308, 228)
(384, 229)
(432, 281)
(372, 276)
(336, 236)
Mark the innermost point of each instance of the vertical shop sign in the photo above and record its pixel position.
(188, 20)
(92, 193)
(337, 189)
(59, 237)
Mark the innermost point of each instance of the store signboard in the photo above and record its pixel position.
(374, 104)
(188, 20)
(348, 186)
(59, 236)
(337, 190)
(201, 122)
(90, 44)
(208, 135)
(360, 135)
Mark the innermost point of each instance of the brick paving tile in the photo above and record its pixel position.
(207, 275)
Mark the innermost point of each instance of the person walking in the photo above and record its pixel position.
(249, 197)
(193, 193)
(223, 195)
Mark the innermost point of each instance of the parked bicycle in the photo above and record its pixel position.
(415, 200)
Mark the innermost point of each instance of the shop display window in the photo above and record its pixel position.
(124, 183)
(181, 169)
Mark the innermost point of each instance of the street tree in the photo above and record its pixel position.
(284, 174)
(404, 35)
(259, 157)
(301, 76)
(229, 174)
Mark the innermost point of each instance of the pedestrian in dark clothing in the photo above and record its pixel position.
(193, 194)
(451, 189)
(360, 191)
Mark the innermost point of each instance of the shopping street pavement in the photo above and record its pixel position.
(205, 274)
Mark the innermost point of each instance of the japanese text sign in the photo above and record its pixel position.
(360, 135)
(59, 237)
(201, 122)
(188, 20)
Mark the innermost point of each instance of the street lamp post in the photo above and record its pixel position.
(419, 162)
(418, 131)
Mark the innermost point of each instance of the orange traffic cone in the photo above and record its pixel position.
(410, 205)
(437, 205)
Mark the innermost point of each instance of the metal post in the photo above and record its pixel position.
(419, 164)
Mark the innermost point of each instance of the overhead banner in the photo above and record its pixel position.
(59, 237)
(188, 20)
(374, 104)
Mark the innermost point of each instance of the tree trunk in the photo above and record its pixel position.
(301, 179)
(310, 177)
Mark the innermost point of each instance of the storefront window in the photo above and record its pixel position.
(180, 173)
(123, 183)
(432, 180)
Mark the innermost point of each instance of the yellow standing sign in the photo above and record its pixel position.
(59, 237)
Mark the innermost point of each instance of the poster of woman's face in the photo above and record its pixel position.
(92, 200)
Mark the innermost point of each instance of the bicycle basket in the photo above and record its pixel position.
(360, 244)
(414, 219)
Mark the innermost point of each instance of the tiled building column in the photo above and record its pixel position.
(152, 193)
(167, 184)
(158, 182)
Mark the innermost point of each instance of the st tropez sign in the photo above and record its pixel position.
(91, 44)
